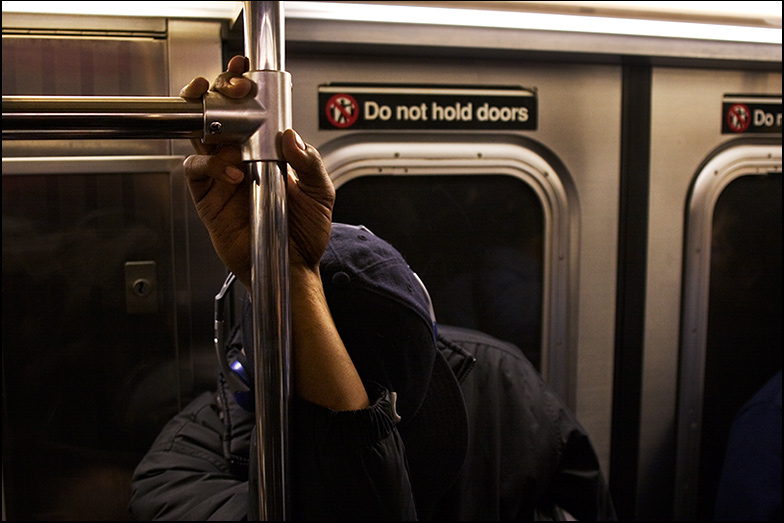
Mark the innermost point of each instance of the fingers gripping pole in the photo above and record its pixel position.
(264, 43)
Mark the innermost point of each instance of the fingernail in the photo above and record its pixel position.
(234, 173)
(235, 80)
(299, 142)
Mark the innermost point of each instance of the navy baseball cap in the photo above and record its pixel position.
(384, 317)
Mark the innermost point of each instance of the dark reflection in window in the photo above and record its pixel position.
(87, 384)
(475, 240)
(744, 314)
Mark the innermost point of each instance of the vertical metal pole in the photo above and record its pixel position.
(264, 47)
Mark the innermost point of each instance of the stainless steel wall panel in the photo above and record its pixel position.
(89, 66)
(579, 119)
(686, 127)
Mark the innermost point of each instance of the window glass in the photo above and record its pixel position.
(88, 383)
(744, 313)
(477, 242)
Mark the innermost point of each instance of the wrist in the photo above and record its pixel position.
(300, 277)
(304, 277)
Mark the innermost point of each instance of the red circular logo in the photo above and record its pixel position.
(342, 110)
(738, 118)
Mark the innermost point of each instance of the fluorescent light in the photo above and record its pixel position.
(751, 11)
(512, 17)
(215, 9)
(407, 14)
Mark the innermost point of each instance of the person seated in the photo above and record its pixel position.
(393, 415)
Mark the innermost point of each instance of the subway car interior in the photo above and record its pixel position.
(598, 183)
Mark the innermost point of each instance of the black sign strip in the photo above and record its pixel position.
(750, 113)
(399, 107)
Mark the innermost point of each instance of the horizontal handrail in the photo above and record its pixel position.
(80, 117)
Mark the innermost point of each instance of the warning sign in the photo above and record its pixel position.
(751, 114)
(342, 110)
(344, 106)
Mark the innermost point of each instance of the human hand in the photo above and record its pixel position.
(220, 190)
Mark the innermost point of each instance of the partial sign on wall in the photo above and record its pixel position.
(743, 114)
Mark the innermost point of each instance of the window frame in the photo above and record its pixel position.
(724, 165)
(348, 158)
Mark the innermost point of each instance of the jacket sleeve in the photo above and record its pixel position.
(350, 465)
(344, 465)
(578, 486)
(521, 433)
(184, 475)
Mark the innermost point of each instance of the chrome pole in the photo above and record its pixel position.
(79, 118)
(264, 47)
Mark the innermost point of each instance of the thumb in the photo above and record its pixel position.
(305, 159)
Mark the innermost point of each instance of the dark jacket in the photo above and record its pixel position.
(750, 483)
(527, 458)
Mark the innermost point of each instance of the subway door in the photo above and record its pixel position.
(486, 215)
(713, 304)
(107, 289)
